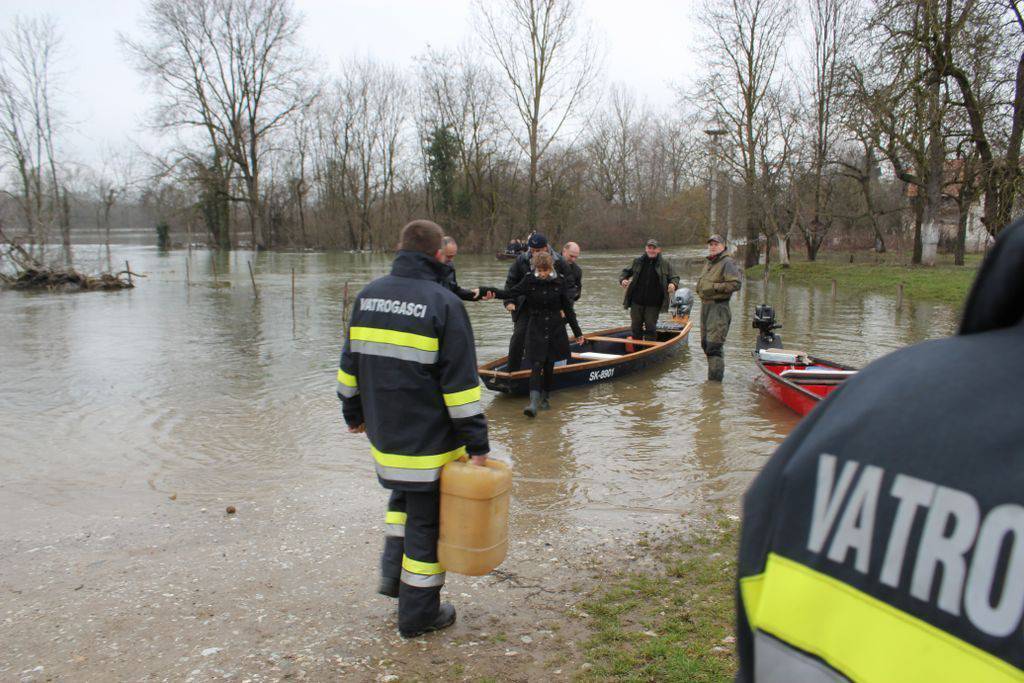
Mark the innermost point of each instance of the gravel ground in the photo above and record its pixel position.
(170, 587)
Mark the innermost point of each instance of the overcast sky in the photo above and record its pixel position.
(650, 47)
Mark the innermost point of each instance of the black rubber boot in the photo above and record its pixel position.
(544, 403)
(531, 410)
(445, 618)
(388, 587)
(716, 368)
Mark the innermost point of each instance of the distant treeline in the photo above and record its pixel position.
(826, 122)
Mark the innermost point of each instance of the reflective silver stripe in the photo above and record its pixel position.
(777, 662)
(392, 351)
(394, 530)
(403, 474)
(421, 581)
(465, 410)
(347, 391)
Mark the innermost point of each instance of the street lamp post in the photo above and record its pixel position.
(714, 133)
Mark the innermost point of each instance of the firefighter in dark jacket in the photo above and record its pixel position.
(549, 308)
(884, 539)
(516, 306)
(408, 378)
(715, 286)
(650, 281)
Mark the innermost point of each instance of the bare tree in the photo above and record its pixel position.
(549, 68)
(110, 184)
(744, 44)
(459, 94)
(228, 68)
(30, 120)
(831, 29)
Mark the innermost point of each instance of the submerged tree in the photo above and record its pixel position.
(231, 70)
(30, 121)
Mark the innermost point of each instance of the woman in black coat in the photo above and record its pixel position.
(547, 300)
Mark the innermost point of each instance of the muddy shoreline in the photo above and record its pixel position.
(283, 588)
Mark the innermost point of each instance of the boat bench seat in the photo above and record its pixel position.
(816, 376)
(784, 356)
(594, 355)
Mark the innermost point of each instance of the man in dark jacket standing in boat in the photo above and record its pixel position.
(715, 286)
(650, 281)
(516, 272)
(884, 539)
(408, 379)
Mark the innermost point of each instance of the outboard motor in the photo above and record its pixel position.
(679, 307)
(764, 323)
(682, 303)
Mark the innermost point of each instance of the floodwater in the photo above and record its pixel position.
(127, 418)
(210, 391)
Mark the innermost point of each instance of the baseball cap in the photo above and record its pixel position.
(716, 238)
(537, 241)
(653, 243)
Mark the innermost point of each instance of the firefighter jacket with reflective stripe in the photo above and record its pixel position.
(408, 371)
(884, 540)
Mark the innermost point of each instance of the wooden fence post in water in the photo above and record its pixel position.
(255, 292)
(899, 295)
(833, 288)
(129, 269)
(188, 270)
(344, 308)
(213, 263)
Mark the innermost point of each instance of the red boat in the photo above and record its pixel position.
(797, 379)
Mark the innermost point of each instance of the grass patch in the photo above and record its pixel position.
(944, 282)
(671, 624)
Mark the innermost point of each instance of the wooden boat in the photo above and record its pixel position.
(798, 380)
(607, 354)
(505, 255)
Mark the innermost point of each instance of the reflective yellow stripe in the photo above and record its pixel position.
(424, 568)
(462, 397)
(395, 517)
(750, 589)
(382, 336)
(417, 462)
(861, 636)
(347, 379)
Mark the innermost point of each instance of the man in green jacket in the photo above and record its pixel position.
(650, 283)
(719, 279)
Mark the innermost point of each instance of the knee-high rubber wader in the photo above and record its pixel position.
(715, 318)
(410, 555)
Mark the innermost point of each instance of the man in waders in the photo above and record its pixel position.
(408, 379)
(719, 279)
(884, 539)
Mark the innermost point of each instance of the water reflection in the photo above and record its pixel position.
(208, 390)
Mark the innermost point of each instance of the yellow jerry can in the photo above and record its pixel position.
(474, 517)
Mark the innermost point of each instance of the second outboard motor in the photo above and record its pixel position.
(764, 323)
